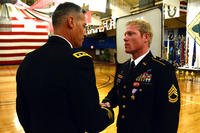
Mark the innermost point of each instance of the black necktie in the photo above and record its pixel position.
(132, 66)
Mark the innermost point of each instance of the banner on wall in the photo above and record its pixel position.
(194, 53)
(94, 5)
(171, 8)
(194, 28)
(193, 33)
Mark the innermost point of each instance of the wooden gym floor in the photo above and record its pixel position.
(190, 98)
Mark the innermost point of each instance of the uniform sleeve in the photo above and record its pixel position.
(167, 101)
(21, 106)
(112, 96)
(85, 98)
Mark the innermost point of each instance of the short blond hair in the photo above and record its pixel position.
(144, 27)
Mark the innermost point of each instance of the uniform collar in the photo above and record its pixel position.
(137, 61)
(64, 39)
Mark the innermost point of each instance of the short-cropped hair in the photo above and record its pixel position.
(143, 26)
(65, 9)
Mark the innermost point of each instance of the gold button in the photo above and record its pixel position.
(123, 106)
(133, 97)
(123, 96)
(124, 86)
(123, 116)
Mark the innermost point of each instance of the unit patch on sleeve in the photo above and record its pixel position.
(173, 94)
(81, 54)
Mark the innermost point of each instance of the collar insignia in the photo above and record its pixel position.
(120, 76)
(144, 63)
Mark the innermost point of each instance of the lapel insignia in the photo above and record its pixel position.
(120, 76)
(144, 63)
(81, 54)
(173, 94)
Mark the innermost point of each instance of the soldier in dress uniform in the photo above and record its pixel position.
(146, 92)
(56, 87)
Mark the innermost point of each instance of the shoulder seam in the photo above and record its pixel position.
(158, 61)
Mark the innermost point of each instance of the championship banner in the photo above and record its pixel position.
(193, 32)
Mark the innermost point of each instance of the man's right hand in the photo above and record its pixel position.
(106, 104)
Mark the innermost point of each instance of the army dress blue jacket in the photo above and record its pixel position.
(56, 91)
(148, 97)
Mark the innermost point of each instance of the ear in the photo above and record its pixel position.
(70, 21)
(146, 36)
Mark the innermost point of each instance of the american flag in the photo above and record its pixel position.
(21, 31)
(183, 6)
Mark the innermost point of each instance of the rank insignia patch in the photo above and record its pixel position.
(81, 54)
(173, 94)
(144, 63)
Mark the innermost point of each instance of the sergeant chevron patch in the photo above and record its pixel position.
(81, 54)
(173, 94)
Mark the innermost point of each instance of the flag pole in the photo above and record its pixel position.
(194, 53)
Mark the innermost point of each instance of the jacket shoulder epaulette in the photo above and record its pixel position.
(160, 61)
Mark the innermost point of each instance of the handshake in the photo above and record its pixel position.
(106, 104)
